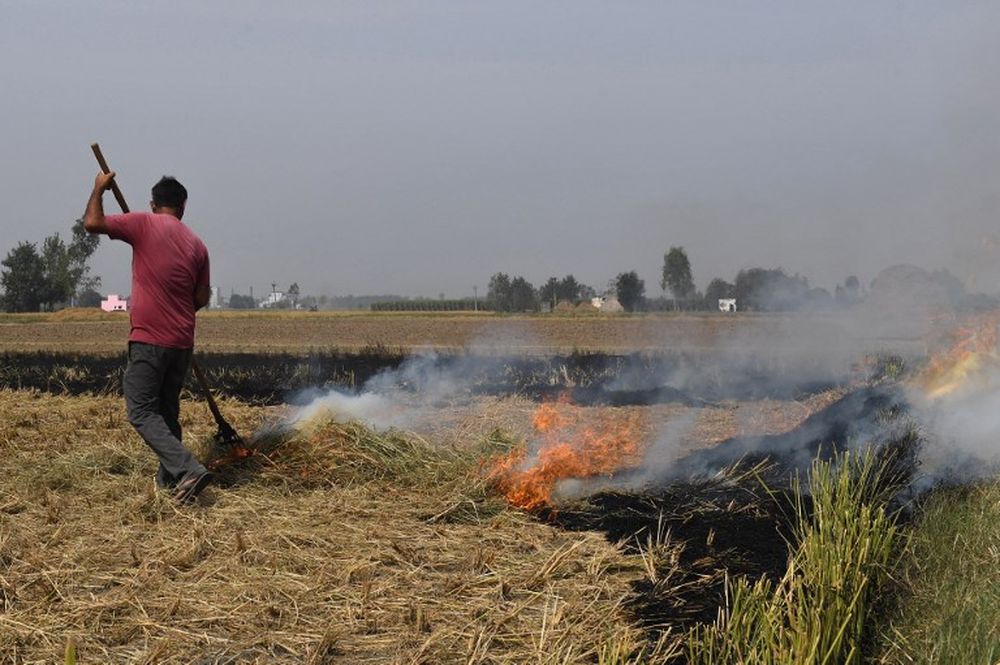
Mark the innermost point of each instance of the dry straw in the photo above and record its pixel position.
(340, 545)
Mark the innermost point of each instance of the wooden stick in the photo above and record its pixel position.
(106, 169)
(203, 382)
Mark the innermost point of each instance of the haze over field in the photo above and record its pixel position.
(419, 147)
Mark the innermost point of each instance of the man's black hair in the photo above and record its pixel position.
(168, 193)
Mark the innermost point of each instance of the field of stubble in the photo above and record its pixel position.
(340, 544)
(92, 331)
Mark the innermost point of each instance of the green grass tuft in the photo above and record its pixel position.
(948, 609)
(818, 611)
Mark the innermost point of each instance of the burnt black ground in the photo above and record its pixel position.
(734, 507)
(590, 379)
(859, 418)
(730, 529)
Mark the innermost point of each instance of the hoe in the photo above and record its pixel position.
(226, 435)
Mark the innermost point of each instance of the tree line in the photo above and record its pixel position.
(34, 278)
(755, 289)
(56, 273)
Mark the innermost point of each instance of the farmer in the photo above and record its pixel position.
(169, 283)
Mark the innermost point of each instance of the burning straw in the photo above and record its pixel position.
(342, 545)
(566, 447)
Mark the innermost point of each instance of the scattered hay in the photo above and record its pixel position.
(334, 543)
(339, 545)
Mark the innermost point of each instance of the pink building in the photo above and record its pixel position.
(114, 304)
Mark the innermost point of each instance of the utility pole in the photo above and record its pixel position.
(475, 298)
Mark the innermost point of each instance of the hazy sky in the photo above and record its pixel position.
(419, 147)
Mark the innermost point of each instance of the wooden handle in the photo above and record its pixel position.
(203, 383)
(107, 169)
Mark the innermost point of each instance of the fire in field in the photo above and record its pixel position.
(465, 508)
(500, 333)
(566, 448)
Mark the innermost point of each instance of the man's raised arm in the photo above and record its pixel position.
(93, 219)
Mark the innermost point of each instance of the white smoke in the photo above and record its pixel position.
(961, 432)
(375, 410)
(408, 394)
(780, 356)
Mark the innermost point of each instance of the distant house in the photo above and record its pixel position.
(607, 304)
(272, 299)
(727, 304)
(114, 304)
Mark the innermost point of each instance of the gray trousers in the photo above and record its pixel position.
(152, 386)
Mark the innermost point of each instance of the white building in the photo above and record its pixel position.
(727, 304)
(273, 298)
(114, 304)
(216, 301)
(607, 304)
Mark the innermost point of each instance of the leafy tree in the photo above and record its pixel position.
(500, 293)
(88, 297)
(81, 247)
(22, 277)
(293, 293)
(89, 283)
(59, 282)
(237, 301)
(67, 269)
(64, 268)
(718, 289)
(556, 290)
(568, 289)
(549, 292)
(849, 293)
(523, 296)
(630, 290)
(819, 298)
(770, 290)
(677, 274)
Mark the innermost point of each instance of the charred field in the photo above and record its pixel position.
(336, 542)
(736, 509)
(594, 378)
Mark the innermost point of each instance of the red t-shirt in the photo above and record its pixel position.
(168, 263)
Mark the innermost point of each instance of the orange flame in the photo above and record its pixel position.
(232, 455)
(972, 351)
(566, 448)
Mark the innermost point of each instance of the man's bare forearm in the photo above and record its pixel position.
(93, 218)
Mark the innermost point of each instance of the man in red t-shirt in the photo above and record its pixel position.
(169, 283)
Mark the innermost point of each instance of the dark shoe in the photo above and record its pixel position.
(192, 485)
